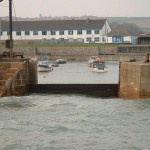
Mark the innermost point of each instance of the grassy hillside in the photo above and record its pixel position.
(142, 22)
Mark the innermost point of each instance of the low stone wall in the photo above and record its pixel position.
(81, 53)
(69, 53)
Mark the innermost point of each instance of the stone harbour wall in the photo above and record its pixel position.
(134, 79)
(70, 53)
(79, 53)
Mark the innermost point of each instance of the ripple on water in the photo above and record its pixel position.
(73, 122)
(15, 102)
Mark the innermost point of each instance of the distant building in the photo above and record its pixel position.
(87, 30)
(120, 36)
(143, 39)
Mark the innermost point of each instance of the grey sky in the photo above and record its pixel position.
(101, 8)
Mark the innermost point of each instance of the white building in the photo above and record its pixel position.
(120, 36)
(90, 30)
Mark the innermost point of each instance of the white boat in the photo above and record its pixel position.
(61, 61)
(97, 65)
(55, 64)
(43, 65)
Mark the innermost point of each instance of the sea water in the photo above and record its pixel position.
(74, 121)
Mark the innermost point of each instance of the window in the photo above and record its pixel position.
(18, 33)
(8, 33)
(44, 40)
(70, 32)
(27, 32)
(88, 39)
(96, 39)
(53, 40)
(96, 31)
(44, 32)
(1, 33)
(88, 32)
(62, 39)
(79, 32)
(35, 32)
(70, 40)
(61, 32)
(80, 40)
(103, 39)
(53, 32)
(117, 39)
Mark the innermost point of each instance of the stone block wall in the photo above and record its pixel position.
(14, 78)
(69, 53)
(33, 75)
(83, 53)
(134, 80)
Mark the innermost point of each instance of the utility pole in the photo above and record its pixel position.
(0, 28)
(10, 26)
(0, 24)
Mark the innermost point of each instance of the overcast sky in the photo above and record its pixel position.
(100, 8)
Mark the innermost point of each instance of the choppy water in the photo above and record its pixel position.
(74, 122)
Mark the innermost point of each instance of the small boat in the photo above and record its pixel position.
(55, 64)
(33, 59)
(97, 65)
(43, 64)
(61, 61)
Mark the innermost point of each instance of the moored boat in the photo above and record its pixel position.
(61, 61)
(97, 65)
(43, 64)
(55, 64)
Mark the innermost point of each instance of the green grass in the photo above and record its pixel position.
(65, 45)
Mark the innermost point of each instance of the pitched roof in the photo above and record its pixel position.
(54, 25)
(144, 35)
(119, 32)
